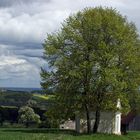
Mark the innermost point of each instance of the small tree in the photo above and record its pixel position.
(31, 103)
(28, 116)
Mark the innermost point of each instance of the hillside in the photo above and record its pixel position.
(20, 98)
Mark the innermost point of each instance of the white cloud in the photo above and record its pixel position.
(23, 28)
(20, 70)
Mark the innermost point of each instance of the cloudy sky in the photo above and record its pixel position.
(23, 28)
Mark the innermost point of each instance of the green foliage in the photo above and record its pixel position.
(13, 98)
(51, 120)
(8, 113)
(31, 103)
(18, 99)
(28, 116)
(94, 59)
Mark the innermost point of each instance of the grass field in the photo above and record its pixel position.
(44, 134)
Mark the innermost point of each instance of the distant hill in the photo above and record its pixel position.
(10, 96)
(20, 89)
(20, 98)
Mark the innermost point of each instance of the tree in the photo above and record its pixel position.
(94, 57)
(31, 103)
(28, 116)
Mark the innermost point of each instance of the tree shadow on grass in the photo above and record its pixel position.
(40, 130)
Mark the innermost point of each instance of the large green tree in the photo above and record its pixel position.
(94, 60)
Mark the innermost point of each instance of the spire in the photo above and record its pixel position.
(118, 104)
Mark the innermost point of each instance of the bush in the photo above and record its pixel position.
(27, 116)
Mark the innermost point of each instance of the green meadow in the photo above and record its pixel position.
(50, 134)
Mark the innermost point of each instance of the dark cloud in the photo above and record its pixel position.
(30, 52)
(8, 3)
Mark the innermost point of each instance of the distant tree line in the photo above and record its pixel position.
(24, 115)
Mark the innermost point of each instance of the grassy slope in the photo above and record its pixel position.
(44, 97)
(42, 100)
(33, 134)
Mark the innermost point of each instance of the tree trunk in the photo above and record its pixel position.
(97, 121)
(88, 120)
